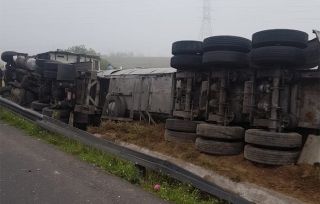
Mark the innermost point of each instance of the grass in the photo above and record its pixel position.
(170, 189)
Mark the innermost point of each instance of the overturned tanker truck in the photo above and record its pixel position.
(259, 96)
(228, 94)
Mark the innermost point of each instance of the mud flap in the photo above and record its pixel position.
(311, 152)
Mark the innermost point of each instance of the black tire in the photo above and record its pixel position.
(282, 37)
(56, 113)
(50, 74)
(187, 47)
(123, 106)
(224, 42)
(269, 156)
(181, 125)
(225, 59)
(220, 132)
(8, 56)
(174, 136)
(186, 62)
(120, 106)
(219, 147)
(35, 105)
(278, 55)
(5, 89)
(273, 139)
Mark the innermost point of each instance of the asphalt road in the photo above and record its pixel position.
(32, 171)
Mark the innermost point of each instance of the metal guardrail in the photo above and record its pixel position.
(24, 112)
(133, 156)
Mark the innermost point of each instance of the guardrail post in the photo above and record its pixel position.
(141, 170)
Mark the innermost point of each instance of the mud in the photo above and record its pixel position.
(297, 181)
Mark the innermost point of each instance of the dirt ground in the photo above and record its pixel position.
(298, 181)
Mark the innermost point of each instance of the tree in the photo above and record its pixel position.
(81, 49)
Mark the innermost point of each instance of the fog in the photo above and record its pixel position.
(140, 26)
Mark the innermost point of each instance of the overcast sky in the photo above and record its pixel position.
(141, 26)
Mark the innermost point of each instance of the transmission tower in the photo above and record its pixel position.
(206, 29)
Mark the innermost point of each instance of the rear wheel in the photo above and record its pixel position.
(280, 37)
(220, 132)
(273, 139)
(115, 106)
(270, 156)
(225, 59)
(278, 55)
(219, 147)
(181, 125)
(186, 62)
(226, 43)
(187, 47)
